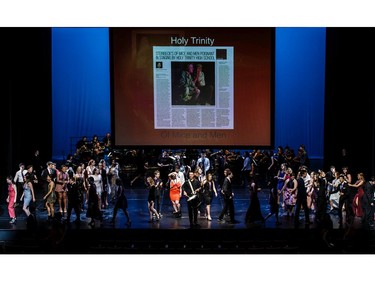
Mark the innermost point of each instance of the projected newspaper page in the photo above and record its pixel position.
(193, 87)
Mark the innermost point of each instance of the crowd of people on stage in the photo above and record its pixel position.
(194, 178)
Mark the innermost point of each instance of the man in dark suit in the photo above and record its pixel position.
(368, 204)
(49, 171)
(301, 199)
(189, 188)
(228, 195)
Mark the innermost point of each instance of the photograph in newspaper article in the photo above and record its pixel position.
(193, 83)
(194, 88)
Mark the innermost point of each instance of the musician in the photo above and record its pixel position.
(246, 168)
(142, 166)
(190, 188)
(94, 141)
(228, 195)
(107, 141)
(204, 163)
(98, 151)
(37, 162)
(164, 163)
(82, 144)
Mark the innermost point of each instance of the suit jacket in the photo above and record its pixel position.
(227, 188)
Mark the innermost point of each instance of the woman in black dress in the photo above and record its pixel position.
(121, 203)
(93, 210)
(273, 200)
(208, 194)
(151, 199)
(253, 213)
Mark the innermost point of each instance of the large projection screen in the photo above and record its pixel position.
(192, 86)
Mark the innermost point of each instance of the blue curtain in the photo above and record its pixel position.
(300, 88)
(80, 86)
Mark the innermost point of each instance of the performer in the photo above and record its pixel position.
(50, 198)
(357, 201)
(344, 198)
(98, 184)
(175, 194)
(18, 179)
(209, 190)
(11, 199)
(301, 199)
(27, 195)
(254, 213)
(159, 189)
(228, 197)
(151, 199)
(74, 199)
(273, 200)
(190, 189)
(289, 190)
(368, 205)
(49, 170)
(121, 203)
(93, 210)
(61, 182)
(103, 171)
(113, 175)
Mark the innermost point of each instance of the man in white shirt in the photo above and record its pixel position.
(204, 163)
(18, 180)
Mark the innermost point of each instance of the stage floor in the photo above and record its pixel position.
(158, 237)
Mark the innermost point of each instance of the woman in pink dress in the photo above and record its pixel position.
(12, 195)
(61, 190)
(357, 201)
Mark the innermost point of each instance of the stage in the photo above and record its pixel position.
(173, 235)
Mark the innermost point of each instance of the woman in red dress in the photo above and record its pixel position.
(12, 195)
(357, 204)
(175, 193)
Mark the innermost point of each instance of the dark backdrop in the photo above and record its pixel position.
(349, 98)
(25, 89)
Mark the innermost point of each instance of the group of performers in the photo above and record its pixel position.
(198, 180)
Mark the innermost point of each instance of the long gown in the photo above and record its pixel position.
(357, 207)
(254, 213)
